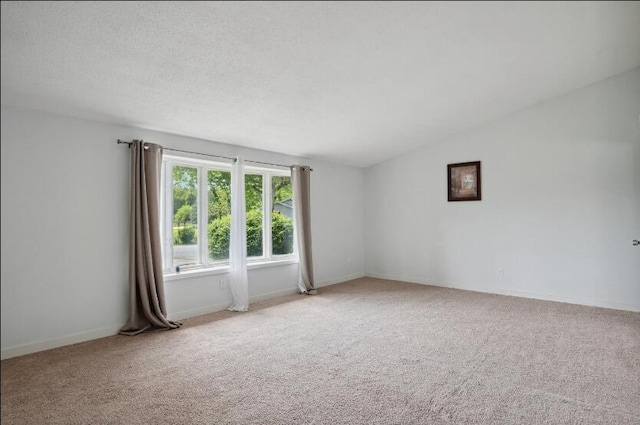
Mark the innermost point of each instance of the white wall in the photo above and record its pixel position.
(65, 221)
(560, 204)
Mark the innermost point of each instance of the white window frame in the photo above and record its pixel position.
(205, 265)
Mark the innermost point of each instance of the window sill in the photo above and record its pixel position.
(224, 269)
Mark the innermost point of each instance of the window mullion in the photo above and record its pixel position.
(168, 213)
(203, 215)
(266, 222)
(162, 225)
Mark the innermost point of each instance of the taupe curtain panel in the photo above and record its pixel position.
(301, 183)
(147, 307)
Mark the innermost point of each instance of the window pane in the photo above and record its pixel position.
(219, 212)
(282, 215)
(185, 216)
(253, 194)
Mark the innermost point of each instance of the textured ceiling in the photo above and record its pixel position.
(351, 82)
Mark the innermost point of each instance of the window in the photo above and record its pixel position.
(196, 214)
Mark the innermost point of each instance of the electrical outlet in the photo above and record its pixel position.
(500, 272)
(223, 283)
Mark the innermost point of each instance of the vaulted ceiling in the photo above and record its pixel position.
(350, 82)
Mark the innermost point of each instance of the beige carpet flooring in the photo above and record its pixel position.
(363, 352)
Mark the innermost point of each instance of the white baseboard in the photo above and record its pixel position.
(200, 311)
(33, 347)
(340, 279)
(512, 292)
(267, 296)
(274, 294)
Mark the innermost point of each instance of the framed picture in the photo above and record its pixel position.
(464, 181)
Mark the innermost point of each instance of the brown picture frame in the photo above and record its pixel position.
(464, 181)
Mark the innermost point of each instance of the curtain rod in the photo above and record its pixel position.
(124, 142)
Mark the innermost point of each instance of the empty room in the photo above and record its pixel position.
(320, 212)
